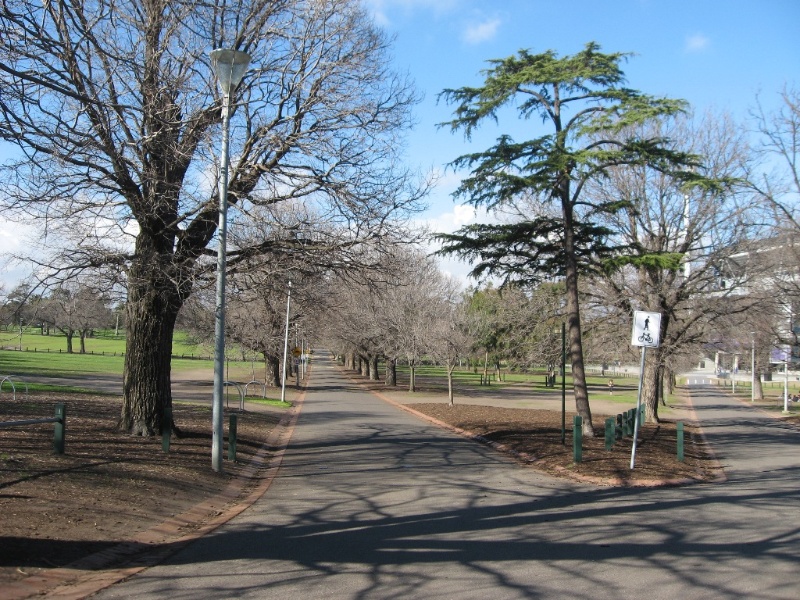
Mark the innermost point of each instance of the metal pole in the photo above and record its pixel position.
(219, 311)
(786, 387)
(286, 344)
(303, 358)
(638, 408)
(753, 367)
(563, 383)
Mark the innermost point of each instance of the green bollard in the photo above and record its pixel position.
(232, 437)
(60, 428)
(577, 438)
(610, 432)
(620, 427)
(641, 417)
(679, 432)
(166, 429)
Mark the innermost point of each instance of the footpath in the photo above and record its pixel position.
(360, 500)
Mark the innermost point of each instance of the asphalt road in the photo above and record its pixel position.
(372, 503)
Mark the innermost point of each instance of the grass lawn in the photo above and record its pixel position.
(46, 355)
(103, 342)
(625, 388)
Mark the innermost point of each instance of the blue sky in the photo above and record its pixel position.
(716, 54)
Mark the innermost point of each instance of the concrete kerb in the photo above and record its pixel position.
(98, 571)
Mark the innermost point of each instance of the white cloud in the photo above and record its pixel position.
(381, 9)
(13, 236)
(448, 222)
(475, 34)
(463, 215)
(696, 43)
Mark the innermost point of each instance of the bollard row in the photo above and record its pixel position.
(616, 429)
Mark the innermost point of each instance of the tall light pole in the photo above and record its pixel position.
(753, 366)
(286, 343)
(229, 67)
(786, 386)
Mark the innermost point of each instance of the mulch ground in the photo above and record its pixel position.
(535, 438)
(108, 485)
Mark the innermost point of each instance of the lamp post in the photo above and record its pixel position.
(286, 343)
(786, 386)
(563, 383)
(229, 67)
(753, 366)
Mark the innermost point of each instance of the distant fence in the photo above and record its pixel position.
(103, 353)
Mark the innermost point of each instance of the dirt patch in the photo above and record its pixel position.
(107, 486)
(534, 437)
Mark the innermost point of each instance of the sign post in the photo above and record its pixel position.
(646, 334)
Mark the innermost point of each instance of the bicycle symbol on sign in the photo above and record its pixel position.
(645, 338)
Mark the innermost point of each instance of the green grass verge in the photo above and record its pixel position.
(21, 387)
(268, 402)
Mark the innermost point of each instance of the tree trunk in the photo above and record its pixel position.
(670, 375)
(391, 372)
(152, 308)
(272, 369)
(69, 333)
(758, 389)
(574, 318)
(82, 338)
(412, 383)
(373, 369)
(650, 385)
(450, 385)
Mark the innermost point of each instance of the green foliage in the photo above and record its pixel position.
(668, 261)
(526, 252)
(592, 117)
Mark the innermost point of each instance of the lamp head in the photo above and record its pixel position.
(229, 67)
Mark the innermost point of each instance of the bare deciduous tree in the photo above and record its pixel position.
(115, 113)
(75, 309)
(681, 239)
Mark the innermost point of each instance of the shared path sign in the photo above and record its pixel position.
(646, 329)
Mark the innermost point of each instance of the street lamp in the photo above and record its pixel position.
(229, 67)
(786, 386)
(753, 366)
(563, 383)
(286, 343)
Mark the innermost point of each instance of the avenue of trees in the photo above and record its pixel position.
(613, 201)
(115, 114)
